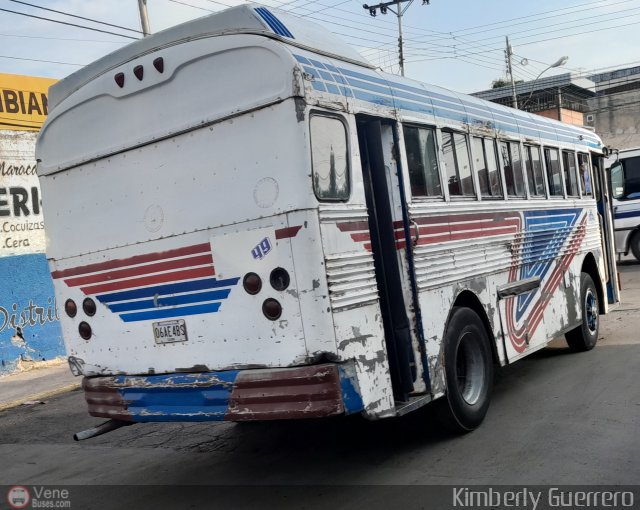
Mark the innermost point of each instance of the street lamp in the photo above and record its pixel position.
(560, 62)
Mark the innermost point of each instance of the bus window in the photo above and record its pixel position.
(456, 160)
(631, 177)
(533, 166)
(553, 172)
(422, 161)
(570, 174)
(512, 168)
(485, 159)
(329, 158)
(584, 170)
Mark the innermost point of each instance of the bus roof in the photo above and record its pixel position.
(243, 19)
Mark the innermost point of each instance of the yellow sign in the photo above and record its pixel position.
(23, 101)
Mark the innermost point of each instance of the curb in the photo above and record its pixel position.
(39, 396)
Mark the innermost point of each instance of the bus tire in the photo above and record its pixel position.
(634, 244)
(468, 366)
(584, 337)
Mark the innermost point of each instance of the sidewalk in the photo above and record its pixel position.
(36, 384)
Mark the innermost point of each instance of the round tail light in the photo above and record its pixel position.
(70, 308)
(85, 330)
(279, 279)
(89, 307)
(271, 309)
(252, 283)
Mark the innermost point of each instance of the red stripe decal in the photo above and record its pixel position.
(284, 233)
(138, 259)
(150, 280)
(352, 226)
(198, 260)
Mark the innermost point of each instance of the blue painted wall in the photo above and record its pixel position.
(29, 324)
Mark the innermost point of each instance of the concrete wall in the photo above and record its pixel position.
(29, 325)
(616, 118)
(568, 116)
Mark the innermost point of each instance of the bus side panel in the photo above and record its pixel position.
(354, 302)
(627, 221)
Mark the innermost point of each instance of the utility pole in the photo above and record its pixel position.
(508, 53)
(144, 17)
(399, 12)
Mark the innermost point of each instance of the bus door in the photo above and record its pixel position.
(605, 213)
(388, 220)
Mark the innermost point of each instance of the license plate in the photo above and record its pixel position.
(168, 332)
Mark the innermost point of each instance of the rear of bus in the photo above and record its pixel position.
(184, 239)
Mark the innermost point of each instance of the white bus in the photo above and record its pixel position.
(247, 221)
(624, 173)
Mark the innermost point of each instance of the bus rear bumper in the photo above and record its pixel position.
(233, 395)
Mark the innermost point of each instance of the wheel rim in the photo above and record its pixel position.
(470, 368)
(591, 311)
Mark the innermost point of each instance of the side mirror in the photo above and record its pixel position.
(606, 152)
(616, 176)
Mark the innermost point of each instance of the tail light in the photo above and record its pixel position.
(85, 330)
(70, 308)
(279, 279)
(89, 307)
(252, 283)
(271, 309)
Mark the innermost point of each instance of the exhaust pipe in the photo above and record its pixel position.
(103, 428)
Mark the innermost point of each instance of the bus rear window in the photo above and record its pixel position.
(329, 158)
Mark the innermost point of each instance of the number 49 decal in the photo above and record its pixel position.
(261, 249)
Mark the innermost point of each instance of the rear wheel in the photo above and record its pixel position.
(585, 336)
(634, 244)
(468, 371)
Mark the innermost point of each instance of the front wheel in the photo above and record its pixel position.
(585, 336)
(468, 368)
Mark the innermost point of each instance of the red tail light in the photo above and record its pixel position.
(271, 309)
(70, 308)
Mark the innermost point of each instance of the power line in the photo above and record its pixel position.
(67, 23)
(61, 39)
(45, 61)
(76, 16)
(191, 5)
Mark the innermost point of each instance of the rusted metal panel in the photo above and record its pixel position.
(305, 392)
(264, 394)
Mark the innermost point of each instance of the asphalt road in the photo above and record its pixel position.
(556, 418)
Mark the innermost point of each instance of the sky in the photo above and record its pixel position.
(457, 44)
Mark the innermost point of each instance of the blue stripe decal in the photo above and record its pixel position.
(179, 397)
(274, 23)
(627, 214)
(350, 396)
(545, 233)
(166, 313)
(265, 16)
(171, 288)
(184, 299)
(382, 92)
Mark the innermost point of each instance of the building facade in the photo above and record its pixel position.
(29, 325)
